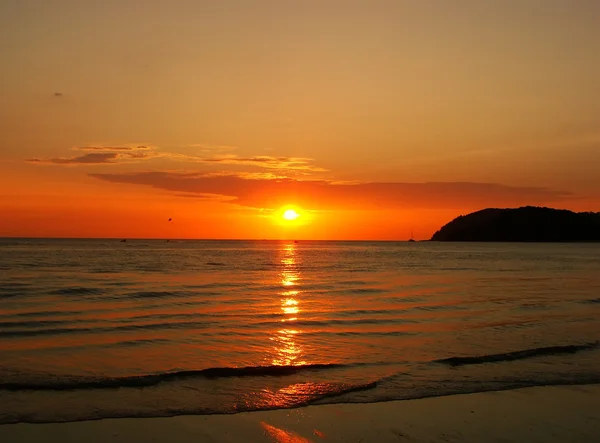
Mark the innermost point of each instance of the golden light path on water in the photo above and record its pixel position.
(287, 350)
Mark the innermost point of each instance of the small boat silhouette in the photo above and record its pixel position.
(411, 239)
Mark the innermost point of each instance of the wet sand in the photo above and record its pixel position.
(540, 414)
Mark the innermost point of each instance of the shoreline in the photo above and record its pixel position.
(595, 382)
(541, 413)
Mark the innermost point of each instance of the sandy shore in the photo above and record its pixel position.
(541, 414)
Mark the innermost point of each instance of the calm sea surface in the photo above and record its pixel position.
(102, 328)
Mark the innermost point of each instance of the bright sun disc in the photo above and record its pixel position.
(290, 214)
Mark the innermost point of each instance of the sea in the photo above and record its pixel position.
(93, 329)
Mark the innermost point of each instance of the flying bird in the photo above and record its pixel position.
(170, 219)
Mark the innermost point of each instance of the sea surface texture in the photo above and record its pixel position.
(102, 328)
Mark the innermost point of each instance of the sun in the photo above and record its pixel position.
(290, 215)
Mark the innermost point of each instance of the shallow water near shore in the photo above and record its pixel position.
(101, 328)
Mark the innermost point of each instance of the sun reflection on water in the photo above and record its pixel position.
(287, 351)
(290, 305)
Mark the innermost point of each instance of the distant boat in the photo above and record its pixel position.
(411, 239)
(123, 241)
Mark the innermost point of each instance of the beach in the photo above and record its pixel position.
(538, 414)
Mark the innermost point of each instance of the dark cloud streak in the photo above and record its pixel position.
(87, 159)
(109, 155)
(321, 194)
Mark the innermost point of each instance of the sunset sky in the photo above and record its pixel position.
(371, 119)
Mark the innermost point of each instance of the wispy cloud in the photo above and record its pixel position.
(322, 194)
(98, 155)
(87, 159)
(214, 156)
(266, 162)
(263, 175)
(113, 148)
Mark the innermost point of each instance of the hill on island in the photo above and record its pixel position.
(526, 224)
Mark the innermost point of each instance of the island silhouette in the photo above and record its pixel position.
(525, 224)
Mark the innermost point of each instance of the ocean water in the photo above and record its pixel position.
(101, 328)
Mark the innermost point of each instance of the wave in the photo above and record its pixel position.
(155, 294)
(517, 355)
(208, 321)
(33, 324)
(76, 290)
(199, 326)
(592, 301)
(140, 381)
(344, 389)
(302, 394)
(291, 396)
(97, 330)
(14, 285)
(10, 289)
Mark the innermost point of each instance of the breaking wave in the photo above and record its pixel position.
(517, 355)
(154, 379)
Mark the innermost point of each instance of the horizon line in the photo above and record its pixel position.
(205, 239)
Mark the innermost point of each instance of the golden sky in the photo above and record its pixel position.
(373, 119)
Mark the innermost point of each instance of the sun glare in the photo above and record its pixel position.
(290, 214)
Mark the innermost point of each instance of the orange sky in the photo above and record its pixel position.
(373, 119)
